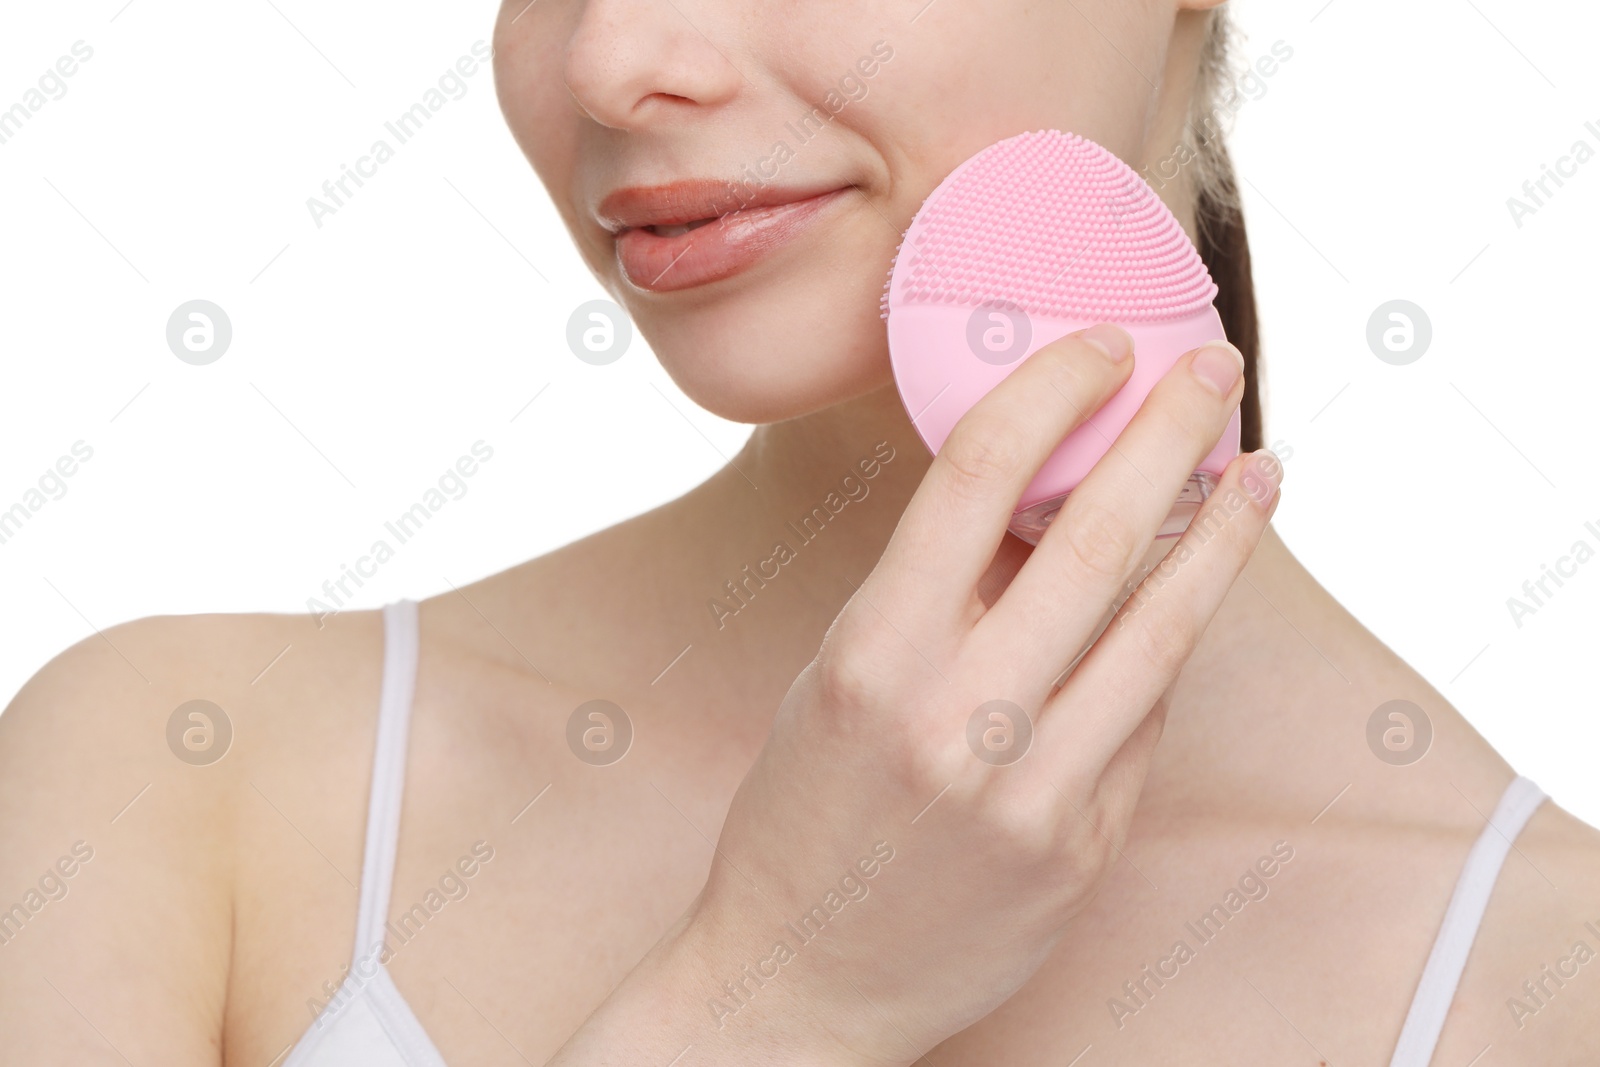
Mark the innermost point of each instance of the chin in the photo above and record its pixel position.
(796, 333)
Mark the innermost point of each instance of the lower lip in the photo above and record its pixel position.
(716, 250)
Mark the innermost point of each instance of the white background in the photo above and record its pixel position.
(425, 315)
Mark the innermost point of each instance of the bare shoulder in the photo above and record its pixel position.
(128, 765)
(1531, 990)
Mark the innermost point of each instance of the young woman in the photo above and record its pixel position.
(412, 837)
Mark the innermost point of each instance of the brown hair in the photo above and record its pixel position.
(1219, 218)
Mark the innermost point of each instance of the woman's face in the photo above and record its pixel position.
(811, 130)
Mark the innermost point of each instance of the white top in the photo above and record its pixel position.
(1448, 959)
(369, 1024)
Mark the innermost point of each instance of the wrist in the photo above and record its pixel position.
(695, 1000)
(753, 998)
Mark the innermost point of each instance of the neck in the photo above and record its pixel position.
(1283, 677)
(769, 548)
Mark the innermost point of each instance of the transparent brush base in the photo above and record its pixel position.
(1031, 523)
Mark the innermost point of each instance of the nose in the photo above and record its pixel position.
(629, 62)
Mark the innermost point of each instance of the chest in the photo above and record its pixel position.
(1193, 958)
(528, 882)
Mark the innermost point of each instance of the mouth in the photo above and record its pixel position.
(693, 233)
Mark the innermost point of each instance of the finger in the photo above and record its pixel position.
(950, 530)
(1052, 607)
(1120, 783)
(1106, 803)
(1121, 777)
(1155, 631)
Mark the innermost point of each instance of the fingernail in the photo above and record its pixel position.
(1219, 365)
(1111, 339)
(1263, 475)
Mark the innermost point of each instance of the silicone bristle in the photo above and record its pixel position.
(1054, 224)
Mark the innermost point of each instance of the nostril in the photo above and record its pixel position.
(629, 68)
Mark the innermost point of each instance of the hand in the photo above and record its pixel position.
(935, 801)
(932, 807)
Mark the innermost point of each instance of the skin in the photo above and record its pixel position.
(219, 899)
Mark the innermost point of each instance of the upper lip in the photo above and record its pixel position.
(691, 200)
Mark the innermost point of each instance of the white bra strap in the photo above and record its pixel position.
(1437, 989)
(388, 775)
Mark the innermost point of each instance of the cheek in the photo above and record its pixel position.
(781, 350)
(545, 121)
(1010, 66)
(538, 109)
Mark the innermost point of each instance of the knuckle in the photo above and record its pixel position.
(851, 678)
(856, 666)
(1165, 635)
(1214, 519)
(979, 455)
(1027, 832)
(1091, 845)
(925, 765)
(1101, 540)
(1195, 423)
(1073, 369)
(1238, 532)
(1186, 416)
(1098, 855)
(1237, 522)
(1087, 853)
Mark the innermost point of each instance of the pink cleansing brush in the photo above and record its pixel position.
(1033, 238)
